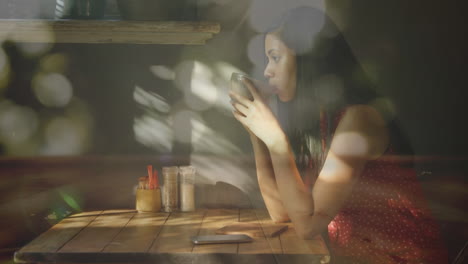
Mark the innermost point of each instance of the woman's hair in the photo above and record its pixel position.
(329, 78)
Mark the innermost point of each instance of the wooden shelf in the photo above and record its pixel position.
(108, 31)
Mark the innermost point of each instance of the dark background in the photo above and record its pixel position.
(414, 51)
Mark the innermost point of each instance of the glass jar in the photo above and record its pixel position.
(170, 189)
(187, 188)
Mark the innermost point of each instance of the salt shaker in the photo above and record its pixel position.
(170, 189)
(187, 188)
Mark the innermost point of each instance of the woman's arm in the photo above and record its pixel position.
(267, 181)
(360, 136)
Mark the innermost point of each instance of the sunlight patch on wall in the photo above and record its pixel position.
(153, 132)
(212, 169)
(207, 87)
(163, 72)
(150, 100)
(208, 140)
(195, 79)
(235, 178)
(224, 71)
(189, 127)
(204, 86)
(153, 128)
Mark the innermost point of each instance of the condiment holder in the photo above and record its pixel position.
(171, 190)
(148, 193)
(176, 195)
(148, 200)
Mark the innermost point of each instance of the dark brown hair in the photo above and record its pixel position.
(329, 78)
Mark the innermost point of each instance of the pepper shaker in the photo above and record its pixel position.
(187, 188)
(170, 189)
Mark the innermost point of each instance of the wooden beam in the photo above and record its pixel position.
(108, 31)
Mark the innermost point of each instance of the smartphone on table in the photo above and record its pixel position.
(220, 239)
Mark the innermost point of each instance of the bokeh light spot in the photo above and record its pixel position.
(53, 89)
(44, 42)
(70, 201)
(4, 70)
(30, 49)
(55, 62)
(263, 13)
(256, 50)
(329, 89)
(62, 137)
(17, 123)
(350, 144)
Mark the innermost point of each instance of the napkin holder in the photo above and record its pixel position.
(148, 200)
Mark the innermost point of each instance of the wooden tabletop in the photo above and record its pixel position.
(128, 236)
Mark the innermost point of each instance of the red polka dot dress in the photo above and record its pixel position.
(385, 219)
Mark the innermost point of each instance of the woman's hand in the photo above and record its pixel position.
(256, 116)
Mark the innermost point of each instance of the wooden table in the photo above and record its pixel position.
(128, 236)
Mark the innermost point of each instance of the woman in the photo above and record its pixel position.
(321, 157)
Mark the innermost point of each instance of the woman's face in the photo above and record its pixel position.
(281, 67)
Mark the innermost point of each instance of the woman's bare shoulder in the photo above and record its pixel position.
(362, 132)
